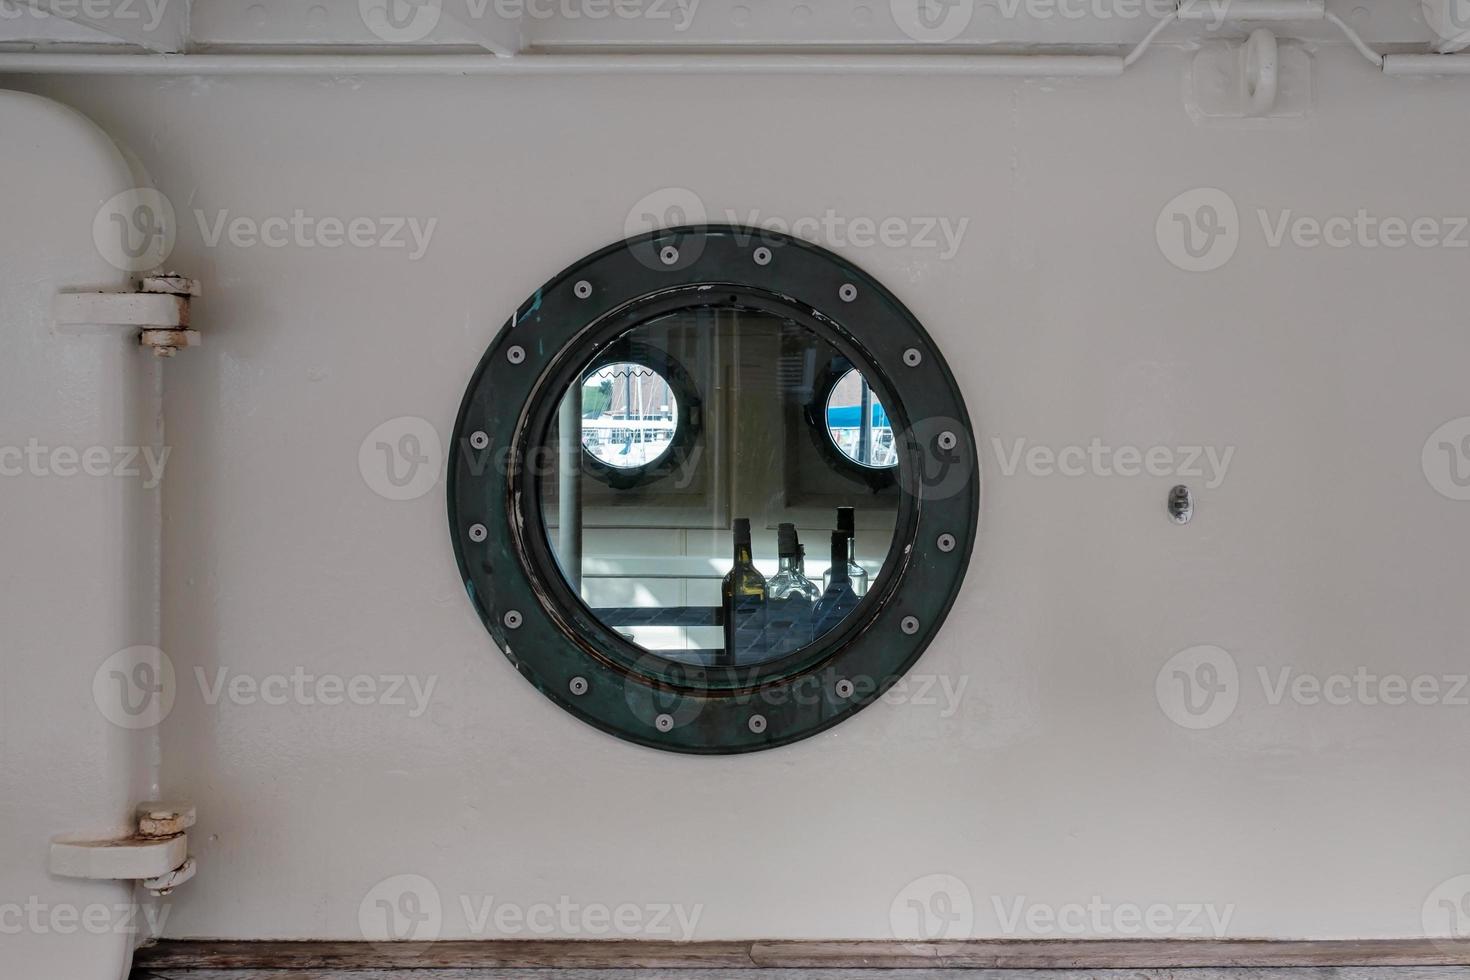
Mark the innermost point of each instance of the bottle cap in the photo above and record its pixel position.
(742, 529)
(786, 540)
(847, 520)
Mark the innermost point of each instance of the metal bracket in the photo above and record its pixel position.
(157, 855)
(1259, 81)
(161, 306)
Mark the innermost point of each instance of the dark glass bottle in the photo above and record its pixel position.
(838, 599)
(790, 582)
(743, 598)
(857, 576)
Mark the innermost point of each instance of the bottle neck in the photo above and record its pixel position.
(839, 559)
(790, 563)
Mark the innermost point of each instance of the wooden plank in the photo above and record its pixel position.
(1115, 954)
(1118, 954)
(1228, 973)
(484, 954)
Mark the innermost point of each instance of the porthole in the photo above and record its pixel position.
(630, 415)
(639, 415)
(713, 490)
(858, 424)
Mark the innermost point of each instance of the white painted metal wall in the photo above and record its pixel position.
(1057, 774)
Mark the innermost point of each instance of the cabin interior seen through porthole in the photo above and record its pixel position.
(754, 540)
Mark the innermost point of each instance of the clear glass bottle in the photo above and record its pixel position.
(838, 599)
(857, 576)
(743, 597)
(790, 582)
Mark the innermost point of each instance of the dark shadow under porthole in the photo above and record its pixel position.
(744, 552)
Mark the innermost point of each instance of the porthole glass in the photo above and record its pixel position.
(858, 424)
(752, 548)
(713, 490)
(629, 415)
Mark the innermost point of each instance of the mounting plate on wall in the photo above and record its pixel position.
(703, 287)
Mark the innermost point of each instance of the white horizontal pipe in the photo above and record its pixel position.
(1011, 65)
(1423, 65)
(1217, 11)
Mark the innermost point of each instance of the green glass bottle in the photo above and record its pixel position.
(742, 599)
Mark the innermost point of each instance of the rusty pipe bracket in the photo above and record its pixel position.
(165, 342)
(157, 855)
(160, 306)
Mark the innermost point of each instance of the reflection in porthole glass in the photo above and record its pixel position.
(629, 415)
(858, 423)
(749, 544)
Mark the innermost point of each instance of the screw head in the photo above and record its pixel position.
(1181, 504)
(478, 533)
(913, 357)
(762, 256)
(668, 255)
(909, 625)
(516, 355)
(479, 440)
(582, 289)
(847, 293)
(946, 542)
(948, 440)
(757, 723)
(844, 688)
(578, 686)
(664, 723)
(513, 619)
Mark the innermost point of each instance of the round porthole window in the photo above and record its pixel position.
(663, 530)
(630, 415)
(857, 423)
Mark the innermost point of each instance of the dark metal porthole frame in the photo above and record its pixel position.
(557, 642)
(689, 423)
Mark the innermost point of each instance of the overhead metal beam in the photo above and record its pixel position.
(160, 26)
(494, 26)
(487, 25)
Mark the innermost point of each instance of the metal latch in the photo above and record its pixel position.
(160, 306)
(157, 855)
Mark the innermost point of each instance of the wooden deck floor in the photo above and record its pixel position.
(1244, 973)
